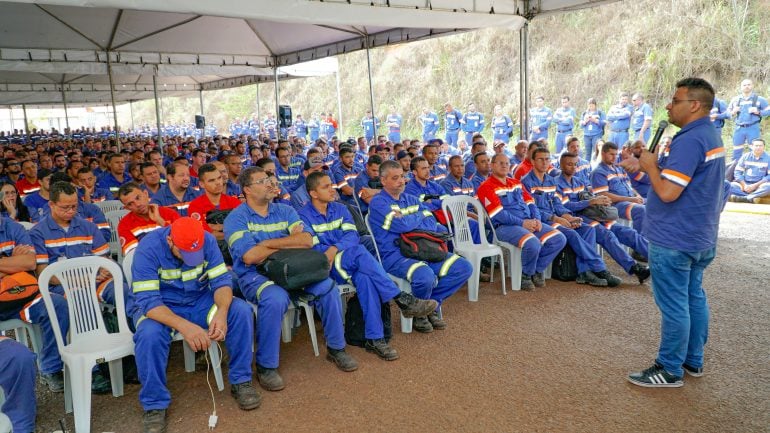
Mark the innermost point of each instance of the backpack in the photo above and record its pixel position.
(355, 325)
(16, 290)
(295, 268)
(564, 266)
(424, 245)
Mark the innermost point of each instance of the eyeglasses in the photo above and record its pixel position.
(270, 181)
(72, 208)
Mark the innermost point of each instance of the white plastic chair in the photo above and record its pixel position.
(113, 218)
(514, 257)
(457, 208)
(109, 205)
(24, 330)
(89, 340)
(189, 355)
(27, 225)
(403, 285)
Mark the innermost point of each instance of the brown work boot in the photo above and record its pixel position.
(154, 421)
(269, 379)
(437, 322)
(421, 324)
(246, 395)
(411, 306)
(381, 348)
(341, 359)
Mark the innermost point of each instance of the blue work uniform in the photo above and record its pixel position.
(288, 178)
(540, 118)
(18, 375)
(430, 125)
(641, 114)
(300, 197)
(161, 279)
(99, 195)
(342, 177)
(593, 129)
(361, 181)
(37, 206)
(270, 126)
(109, 182)
(452, 126)
(353, 264)
(477, 179)
(502, 126)
(232, 188)
(614, 179)
(747, 124)
(619, 119)
(314, 129)
(370, 125)
(394, 122)
(438, 171)
(720, 113)
(165, 197)
(300, 128)
(750, 170)
(244, 229)
(472, 123)
(640, 181)
(454, 186)
(389, 218)
(564, 119)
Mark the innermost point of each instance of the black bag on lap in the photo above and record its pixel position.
(355, 325)
(218, 217)
(564, 266)
(295, 268)
(424, 245)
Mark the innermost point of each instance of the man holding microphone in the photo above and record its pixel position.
(682, 224)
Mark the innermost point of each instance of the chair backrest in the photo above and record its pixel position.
(128, 261)
(78, 279)
(109, 205)
(113, 218)
(457, 207)
(27, 225)
(374, 241)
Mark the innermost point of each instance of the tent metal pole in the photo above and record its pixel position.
(112, 98)
(259, 115)
(339, 102)
(10, 116)
(200, 97)
(371, 86)
(277, 108)
(26, 122)
(66, 115)
(157, 113)
(131, 109)
(524, 81)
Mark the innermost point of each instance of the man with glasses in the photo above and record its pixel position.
(13, 170)
(254, 231)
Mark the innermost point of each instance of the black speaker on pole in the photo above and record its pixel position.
(200, 122)
(284, 116)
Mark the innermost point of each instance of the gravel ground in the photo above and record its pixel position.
(553, 360)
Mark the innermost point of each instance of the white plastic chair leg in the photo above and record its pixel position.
(116, 377)
(5, 424)
(78, 388)
(310, 325)
(287, 323)
(502, 270)
(547, 272)
(189, 357)
(473, 282)
(515, 268)
(216, 365)
(404, 286)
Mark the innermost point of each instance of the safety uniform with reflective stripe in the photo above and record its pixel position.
(165, 197)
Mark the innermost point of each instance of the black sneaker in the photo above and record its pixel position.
(422, 324)
(246, 395)
(526, 283)
(437, 322)
(54, 381)
(538, 279)
(154, 421)
(642, 272)
(269, 379)
(655, 377)
(693, 371)
(381, 348)
(612, 281)
(411, 306)
(341, 359)
(589, 277)
(638, 257)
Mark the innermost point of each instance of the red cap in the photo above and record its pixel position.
(187, 234)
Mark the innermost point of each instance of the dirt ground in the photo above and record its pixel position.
(552, 360)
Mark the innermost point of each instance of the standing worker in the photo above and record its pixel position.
(682, 224)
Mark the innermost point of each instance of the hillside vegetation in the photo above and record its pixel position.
(642, 46)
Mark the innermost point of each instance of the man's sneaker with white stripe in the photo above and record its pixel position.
(693, 371)
(655, 377)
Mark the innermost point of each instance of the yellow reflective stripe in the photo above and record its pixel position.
(316, 241)
(338, 266)
(447, 264)
(170, 274)
(388, 220)
(211, 313)
(291, 227)
(325, 227)
(217, 271)
(427, 213)
(234, 237)
(263, 287)
(141, 319)
(409, 210)
(348, 226)
(444, 197)
(422, 197)
(275, 227)
(412, 269)
(145, 286)
(192, 274)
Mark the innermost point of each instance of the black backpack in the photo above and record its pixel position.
(564, 266)
(354, 323)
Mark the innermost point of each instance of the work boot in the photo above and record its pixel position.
(341, 359)
(246, 395)
(421, 324)
(589, 277)
(381, 348)
(269, 379)
(436, 321)
(526, 283)
(538, 279)
(411, 306)
(612, 280)
(55, 381)
(100, 384)
(642, 272)
(485, 277)
(154, 421)
(638, 257)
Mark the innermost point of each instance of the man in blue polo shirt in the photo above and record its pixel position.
(748, 109)
(431, 153)
(619, 120)
(180, 282)
(286, 174)
(752, 177)
(564, 119)
(300, 127)
(393, 122)
(719, 114)
(456, 183)
(540, 118)
(451, 124)
(592, 121)
(116, 176)
(370, 124)
(682, 225)
(641, 119)
(362, 186)
(472, 123)
(254, 231)
(344, 176)
(430, 124)
(612, 180)
(177, 192)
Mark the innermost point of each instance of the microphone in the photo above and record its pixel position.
(658, 134)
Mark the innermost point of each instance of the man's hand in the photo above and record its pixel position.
(637, 199)
(630, 163)
(154, 214)
(648, 161)
(196, 337)
(530, 225)
(601, 200)
(574, 221)
(103, 275)
(330, 253)
(21, 250)
(218, 326)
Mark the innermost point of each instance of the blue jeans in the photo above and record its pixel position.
(677, 284)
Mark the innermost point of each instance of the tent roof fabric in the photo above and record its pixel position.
(225, 43)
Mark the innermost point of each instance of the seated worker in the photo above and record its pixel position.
(181, 283)
(30, 182)
(87, 211)
(177, 193)
(151, 178)
(392, 212)
(583, 168)
(213, 198)
(517, 221)
(61, 235)
(640, 182)
(581, 237)
(18, 255)
(335, 235)
(116, 175)
(431, 153)
(752, 178)
(87, 190)
(300, 196)
(254, 231)
(142, 218)
(234, 167)
(363, 186)
(37, 202)
(482, 169)
(267, 164)
(455, 183)
(17, 381)
(344, 175)
(612, 180)
(429, 192)
(286, 174)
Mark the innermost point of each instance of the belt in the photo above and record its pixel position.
(619, 130)
(747, 125)
(564, 130)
